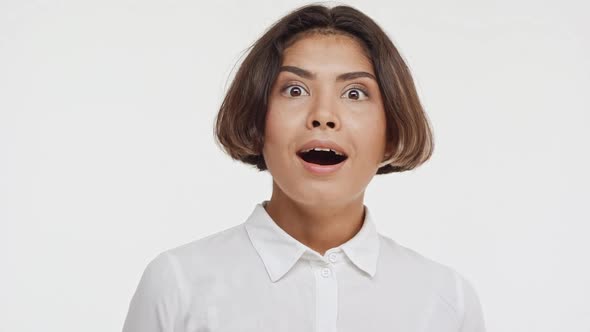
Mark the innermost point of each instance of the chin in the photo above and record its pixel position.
(297, 184)
(320, 194)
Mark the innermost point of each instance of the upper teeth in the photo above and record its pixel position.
(323, 149)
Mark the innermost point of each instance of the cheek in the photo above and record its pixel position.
(270, 127)
(283, 120)
(276, 127)
(279, 133)
(370, 134)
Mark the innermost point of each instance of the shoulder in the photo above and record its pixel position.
(169, 271)
(442, 281)
(415, 262)
(163, 293)
(209, 250)
(169, 267)
(206, 251)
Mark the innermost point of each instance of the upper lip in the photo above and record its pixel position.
(318, 143)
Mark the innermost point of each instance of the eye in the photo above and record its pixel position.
(356, 93)
(294, 90)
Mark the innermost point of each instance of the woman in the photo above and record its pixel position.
(323, 102)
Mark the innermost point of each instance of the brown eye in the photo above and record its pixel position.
(356, 94)
(294, 91)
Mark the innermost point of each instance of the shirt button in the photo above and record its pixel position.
(326, 272)
(332, 257)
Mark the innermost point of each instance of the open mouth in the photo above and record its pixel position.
(322, 156)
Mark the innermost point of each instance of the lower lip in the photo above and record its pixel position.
(321, 169)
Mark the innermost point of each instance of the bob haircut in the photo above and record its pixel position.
(239, 125)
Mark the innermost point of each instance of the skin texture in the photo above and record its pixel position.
(323, 211)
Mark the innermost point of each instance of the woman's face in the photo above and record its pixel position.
(310, 100)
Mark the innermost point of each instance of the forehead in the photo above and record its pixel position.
(327, 53)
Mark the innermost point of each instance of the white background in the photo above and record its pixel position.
(107, 155)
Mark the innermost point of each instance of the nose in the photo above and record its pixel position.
(316, 123)
(323, 115)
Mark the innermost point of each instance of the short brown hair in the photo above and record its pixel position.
(239, 127)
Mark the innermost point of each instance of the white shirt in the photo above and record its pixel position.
(256, 277)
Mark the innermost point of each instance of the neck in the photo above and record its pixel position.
(318, 225)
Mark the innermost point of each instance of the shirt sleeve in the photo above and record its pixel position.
(156, 305)
(473, 318)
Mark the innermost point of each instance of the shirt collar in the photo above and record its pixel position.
(279, 251)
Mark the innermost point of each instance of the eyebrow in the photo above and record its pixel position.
(342, 77)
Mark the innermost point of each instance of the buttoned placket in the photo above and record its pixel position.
(326, 290)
